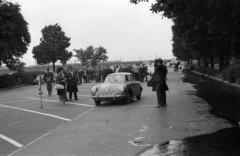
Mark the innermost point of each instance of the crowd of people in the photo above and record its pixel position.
(71, 77)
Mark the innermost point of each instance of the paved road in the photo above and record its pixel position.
(111, 129)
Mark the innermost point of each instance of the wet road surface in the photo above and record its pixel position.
(224, 100)
(222, 143)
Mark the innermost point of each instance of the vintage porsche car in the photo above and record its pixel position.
(117, 87)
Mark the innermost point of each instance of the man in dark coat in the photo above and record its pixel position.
(72, 80)
(158, 82)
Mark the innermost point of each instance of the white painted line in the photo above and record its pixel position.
(15, 143)
(148, 105)
(11, 98)
(15, 101)
(31, 111)
(13, 123)
(77, 95)
(84, 95)
(50, 132)
(80, 104)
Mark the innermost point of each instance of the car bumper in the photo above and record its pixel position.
(108, 97)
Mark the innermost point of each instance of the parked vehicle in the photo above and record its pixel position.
(117, 87)
(36, 81)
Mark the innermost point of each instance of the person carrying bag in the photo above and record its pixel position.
(158, 82)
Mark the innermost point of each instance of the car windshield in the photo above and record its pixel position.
(117, 78)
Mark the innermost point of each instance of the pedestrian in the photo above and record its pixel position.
(72, 80)
(158, 82)
(60, 79)
(48, 78)
(135, 71)
(176, 66)
(141, 73)
(80, 74)
(145, 72)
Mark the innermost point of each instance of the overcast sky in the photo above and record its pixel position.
(129, 32)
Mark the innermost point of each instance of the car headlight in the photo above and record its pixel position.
(94, 89)
(122, 88)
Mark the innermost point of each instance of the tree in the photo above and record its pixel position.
(18, 66)
(14, 35)
(204, 27)
(91, 56)
(52, 46)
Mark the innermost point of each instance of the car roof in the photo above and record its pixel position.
(121, 73)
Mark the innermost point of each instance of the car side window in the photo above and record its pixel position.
(131, 78)
(128, 78)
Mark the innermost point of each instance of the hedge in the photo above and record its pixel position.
(231, 73)
(22, 78)
(7, 81)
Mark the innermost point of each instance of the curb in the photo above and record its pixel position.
(18, 86)
(217, 79)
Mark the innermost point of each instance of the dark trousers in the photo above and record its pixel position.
(145, 76)
(136, 76)
(161, 97)
(70, 95)
(49, 88)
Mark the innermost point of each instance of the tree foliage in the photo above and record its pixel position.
(91, 56)
(52, 46)
(17, 66)
(202, 28)
(14, 35)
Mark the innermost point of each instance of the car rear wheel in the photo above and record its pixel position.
(139, 96)
(128, 98)
(97, 103)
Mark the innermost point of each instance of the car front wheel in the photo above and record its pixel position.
(97, 103)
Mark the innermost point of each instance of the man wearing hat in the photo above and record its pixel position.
(158, 82)
(48, 78)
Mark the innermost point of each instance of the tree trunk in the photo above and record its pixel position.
(212, 61)
(233, 48)
(221, 63)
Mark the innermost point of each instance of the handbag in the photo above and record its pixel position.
(59, 86)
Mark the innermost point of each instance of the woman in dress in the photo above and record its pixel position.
(60, 79)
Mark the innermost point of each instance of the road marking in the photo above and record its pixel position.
(148, 105)
(15, 143)
(50, 132)
(13, 123)
(84, 95)
(31, 111)
(10, 98)
(15, 101)
(80, 104)
(77, 95)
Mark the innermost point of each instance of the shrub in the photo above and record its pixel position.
(7, 81)
(231, 73)
(201, 69)
(18, 78)
(212, 71)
